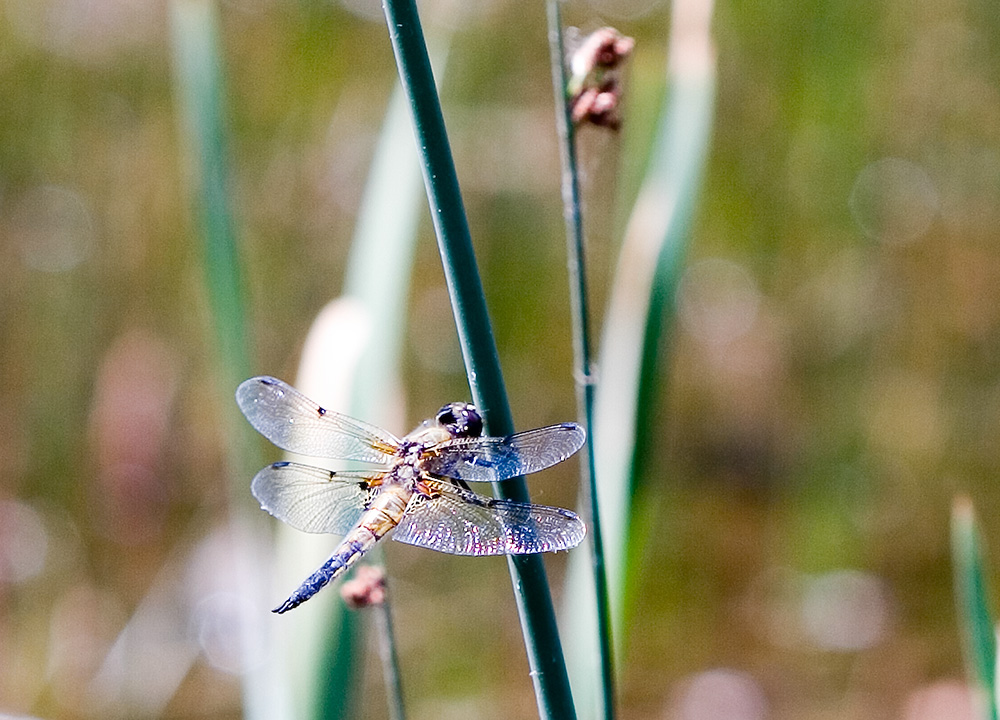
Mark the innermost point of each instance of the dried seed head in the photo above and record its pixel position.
(603, 49)
(595, 79)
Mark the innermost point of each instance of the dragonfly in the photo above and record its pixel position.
(418, 488)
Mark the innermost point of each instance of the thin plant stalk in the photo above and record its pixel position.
(531, 590)
(390, 662)
(582, 370)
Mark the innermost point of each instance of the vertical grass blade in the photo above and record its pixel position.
(390, 662)
(972, 599)
(531, 589)
(198, 73)
(200, 96)
(642, 302)
(582, 370)
(361, 380)
(381, 259)
(640, 306)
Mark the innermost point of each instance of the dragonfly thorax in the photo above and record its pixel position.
(405, 471)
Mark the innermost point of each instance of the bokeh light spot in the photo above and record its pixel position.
(217, 619)
(846, 610)
(944, 700)
(893, 200)
(720, 694)
(625, 9)
(717, 300)
(86, 30)
(23, 542)
(53, 228)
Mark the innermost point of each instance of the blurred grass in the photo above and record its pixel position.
(199, 82)
(859, 401)
(635, 339)
(324, 651)
(978, 628)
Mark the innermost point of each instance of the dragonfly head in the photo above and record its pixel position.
(460, 420)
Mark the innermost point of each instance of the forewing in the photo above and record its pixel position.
(312, 499)
(492, 459)
(295, 423)
(460, 522)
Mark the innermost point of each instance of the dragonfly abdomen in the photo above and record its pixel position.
(383, 515)
(346, 554)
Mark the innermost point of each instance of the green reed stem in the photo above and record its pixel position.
(582, 370)
(531, 590)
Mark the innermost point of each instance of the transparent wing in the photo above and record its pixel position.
(295, 423)
(460, 522)
(312, 499)
(492, 459)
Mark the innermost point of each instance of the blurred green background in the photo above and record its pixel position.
(833, 379)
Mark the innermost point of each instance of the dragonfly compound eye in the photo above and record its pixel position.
(461, 420)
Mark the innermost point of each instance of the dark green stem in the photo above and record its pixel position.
(531, 590)
(580, 317)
